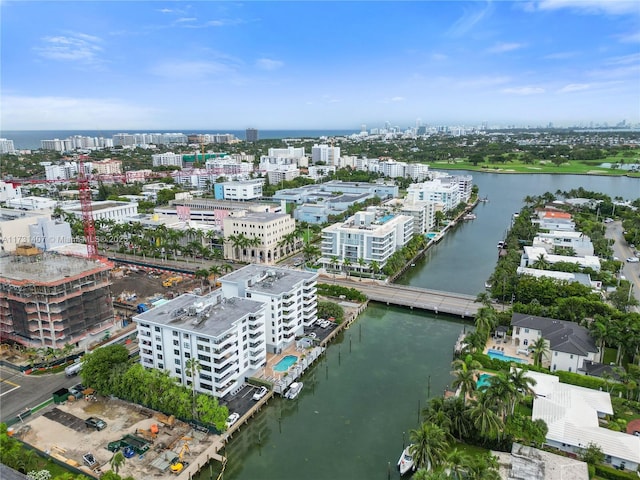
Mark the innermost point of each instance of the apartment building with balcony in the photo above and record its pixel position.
(371, 235)
(289, 296)
(225, 334)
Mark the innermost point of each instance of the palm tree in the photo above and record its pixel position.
(334, 264)
(428, 445)
(502, 393)
(193, 370)
(202, 274)
(456, 464)
(540, 350)
(346, 263)
(362, 262)
(484, 298)
(486, 320)
(117, 461)
(464, 382)
(216, 271)
(484, 417)
(375, 267)
(541, 262)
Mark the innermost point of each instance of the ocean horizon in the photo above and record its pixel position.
(30, 139)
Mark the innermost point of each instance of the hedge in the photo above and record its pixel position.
(611, 473)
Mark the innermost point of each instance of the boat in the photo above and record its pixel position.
(405, 463)
(294, 390)
(470, 216)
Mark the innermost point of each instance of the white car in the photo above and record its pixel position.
(261, 392)
(233, 418)
(633, 260)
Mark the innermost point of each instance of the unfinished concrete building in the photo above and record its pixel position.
(48, 299)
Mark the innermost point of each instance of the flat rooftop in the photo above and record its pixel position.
(95, 206)
(45, 268)
(258, 216)
(269, 280)
(211, 315)
(9, 214)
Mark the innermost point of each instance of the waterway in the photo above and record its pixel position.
(348, 423)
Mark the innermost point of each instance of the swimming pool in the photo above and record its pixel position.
(284, 364)
(483, 380)
(498, 355)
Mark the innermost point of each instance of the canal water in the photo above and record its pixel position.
(360, 401)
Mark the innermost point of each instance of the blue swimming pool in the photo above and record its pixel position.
(498, 355)
(483, 380)
(284, 364)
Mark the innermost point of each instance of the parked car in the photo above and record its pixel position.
(76, 392)
(96, 423)
(633, 260)
(261, 392)
(233, 418)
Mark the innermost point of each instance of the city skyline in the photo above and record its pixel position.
(313, 65)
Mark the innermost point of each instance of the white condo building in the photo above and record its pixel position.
(167, 159)
(289, 297)
(326, 154)
(6, 146)
(225, 334)
(445, 195)
(289, 152)
(369, 235)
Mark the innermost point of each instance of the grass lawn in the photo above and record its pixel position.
(471, 450)
(542, 166)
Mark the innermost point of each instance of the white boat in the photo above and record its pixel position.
(294, 390)
(470, 216)
(405, 463)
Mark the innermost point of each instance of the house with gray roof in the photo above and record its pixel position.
(569, 344)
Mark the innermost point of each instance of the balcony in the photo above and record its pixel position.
(226, 377)
(233, 358)
(258, 326)
(289, 336)
(253, 336)
(221, 371)
(255, 345)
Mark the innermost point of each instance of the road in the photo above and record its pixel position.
(622, 250)
(19, 392)
(439, 302)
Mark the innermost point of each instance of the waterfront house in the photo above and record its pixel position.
(569, 343)
(573, 415)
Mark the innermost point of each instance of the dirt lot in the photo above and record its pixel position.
(146, 285)
(121, 418)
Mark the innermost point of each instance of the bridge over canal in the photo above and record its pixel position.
(412, 297)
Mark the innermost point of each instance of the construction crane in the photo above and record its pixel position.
(88, 225)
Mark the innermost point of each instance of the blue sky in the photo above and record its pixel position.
(334, 65)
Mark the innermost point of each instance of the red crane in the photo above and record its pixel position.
(87, 213)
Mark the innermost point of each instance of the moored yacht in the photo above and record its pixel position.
(405, 463)
(294, 390)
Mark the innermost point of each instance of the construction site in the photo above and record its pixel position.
(47, 299)
(152, 444)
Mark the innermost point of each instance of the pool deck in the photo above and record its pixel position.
(505, 346)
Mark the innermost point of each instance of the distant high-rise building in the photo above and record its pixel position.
(251, 134)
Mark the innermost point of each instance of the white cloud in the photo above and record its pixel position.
(504, 47)
(524, 90)
(268, 64)
(574, 87)
(612, 7)
(44, 113)
(186, 19)
(397, 99)
(77, 47)
(469, 19)
(630, 37)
